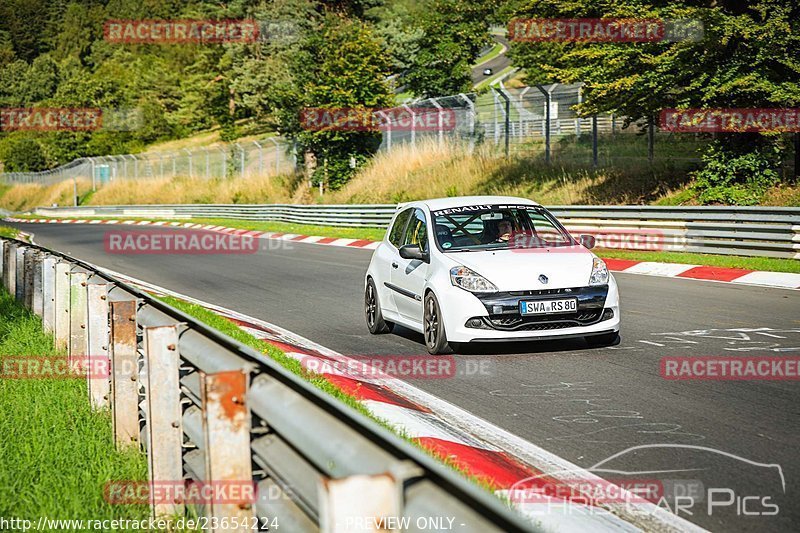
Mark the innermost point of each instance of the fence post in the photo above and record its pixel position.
(507, 121)
(49, 293)
(651, 138)
(547, 100)
(78, 310)
(226, 430)
(61, 307)
(594, 140)
(37, 289)
(189, 153)
(439, 121)
(342, 500)
(10, 267)
(260, 158)
(413, 125)
(472, 119)
(163, 396)
(797, 156)
(124, 374)
(27, 292)
(19, 275)
(98, 341)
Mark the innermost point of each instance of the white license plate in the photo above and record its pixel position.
(544, 307)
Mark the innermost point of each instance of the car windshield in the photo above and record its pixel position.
(490, 227)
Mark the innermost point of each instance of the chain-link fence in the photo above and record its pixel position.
(269, 156)
(539, 121)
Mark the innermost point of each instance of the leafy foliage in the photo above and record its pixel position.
(748, 57)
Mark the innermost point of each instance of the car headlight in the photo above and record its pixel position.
(470, 281)
(599, 272)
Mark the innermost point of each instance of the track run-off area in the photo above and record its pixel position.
(608, 408)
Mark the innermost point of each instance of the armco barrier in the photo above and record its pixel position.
(753, 231)
(208, 408)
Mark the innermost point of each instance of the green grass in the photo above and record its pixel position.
(488, 56)
(55, 453)
(5, 231)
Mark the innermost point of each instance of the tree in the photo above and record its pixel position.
(746, 58)
(342, 65)
(453, 34)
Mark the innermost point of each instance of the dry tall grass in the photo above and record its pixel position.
(431, 170)
(28, 196)
(184, 190)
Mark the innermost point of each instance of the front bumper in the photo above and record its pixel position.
(470, 317)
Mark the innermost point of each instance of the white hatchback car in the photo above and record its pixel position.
(488, 268)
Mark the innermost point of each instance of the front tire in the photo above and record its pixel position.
(608, 339)
(433, 326)
(372, 311)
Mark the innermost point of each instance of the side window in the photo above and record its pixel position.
(396, 234)
(417, 232)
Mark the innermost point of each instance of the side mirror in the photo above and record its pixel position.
(413, 251)
(588, 241)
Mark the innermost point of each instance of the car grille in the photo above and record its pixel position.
(538, 323)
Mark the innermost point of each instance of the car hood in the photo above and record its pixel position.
(518, 270)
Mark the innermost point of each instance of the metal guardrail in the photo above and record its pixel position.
(208, 408)
(750, 231)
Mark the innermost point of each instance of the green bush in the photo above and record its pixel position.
(736, 178)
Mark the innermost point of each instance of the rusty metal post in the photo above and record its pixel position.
(3, 245)
(19, 275)
(10, 264)
(163, 401)
(61, 307)
(226, 430)
(37, 296)
(344, 501)
(124, 374)
(27, 268)
(49, 293)
(78, 345)
(98, 335)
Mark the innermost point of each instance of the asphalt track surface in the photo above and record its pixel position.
(583, 404)
(497, 63)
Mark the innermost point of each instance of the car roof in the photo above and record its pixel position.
(436, 204)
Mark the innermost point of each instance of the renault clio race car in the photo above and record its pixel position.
(488, 268)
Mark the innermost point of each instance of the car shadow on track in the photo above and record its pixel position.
(578, 344)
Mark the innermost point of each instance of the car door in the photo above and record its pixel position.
(408, 278)
(388, 257)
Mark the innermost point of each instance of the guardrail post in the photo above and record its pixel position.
(19, 275)
(226, 429)
(61, 306)
(124, 374)
(28, 267)
(9, 267)
(99, 382)
(78, 346)
(49, 293)
(37, 296)
(348, 501)
(163, 395)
